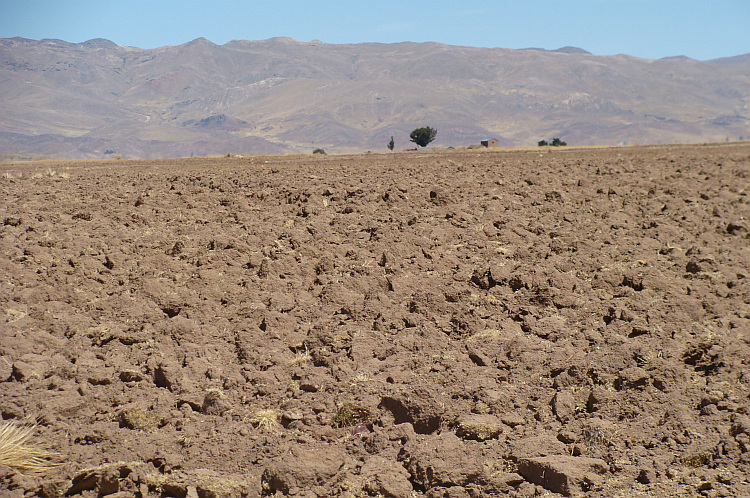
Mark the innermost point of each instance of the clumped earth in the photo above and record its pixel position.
(440, 324)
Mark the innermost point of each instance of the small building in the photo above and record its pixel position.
(489, 142)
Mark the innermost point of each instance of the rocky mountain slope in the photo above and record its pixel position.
(98, 99)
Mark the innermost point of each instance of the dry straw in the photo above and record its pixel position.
(350, 414)
(19, 453)
(266, 420)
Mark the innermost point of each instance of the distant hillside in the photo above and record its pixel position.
(97, 99)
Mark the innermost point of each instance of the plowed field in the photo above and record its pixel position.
(443, 324)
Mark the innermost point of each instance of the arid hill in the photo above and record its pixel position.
(98, 99)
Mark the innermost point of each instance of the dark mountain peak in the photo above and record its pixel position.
(572, 50)
(218, 122)
(268, 43)
(561, 50)
(237, 44)
(21, 39)
(200, 42)
(681, 58)
(54, 42)
(16, 42)
(732, 61)
(284, 40)
(95, 43)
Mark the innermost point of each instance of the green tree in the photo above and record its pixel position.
(557, 142)
(423, 136)
(391, 144)
(542, 143)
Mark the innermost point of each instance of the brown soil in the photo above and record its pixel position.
(453, 324)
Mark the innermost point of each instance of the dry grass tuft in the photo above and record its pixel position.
(14, 315)
(212, 396)
(352, 414)
(215, 402)
(361, 378)
(185, 441)
(19, 453)
(485, 334)
(136, 417)
(266, 420)
(302, 357)
(49, 173)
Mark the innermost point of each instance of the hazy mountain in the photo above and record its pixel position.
(96, 98)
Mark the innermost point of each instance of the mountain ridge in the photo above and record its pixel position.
(97, 98)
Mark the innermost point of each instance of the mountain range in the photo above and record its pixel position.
(97, 99)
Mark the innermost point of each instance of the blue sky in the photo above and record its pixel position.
(701, 29)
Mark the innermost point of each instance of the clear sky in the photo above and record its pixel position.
(701, 29)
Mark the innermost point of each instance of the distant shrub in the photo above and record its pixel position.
(319, 151)
(423, 136)
(391, 144)
(556, 142)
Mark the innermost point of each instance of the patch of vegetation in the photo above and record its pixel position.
(302, 356)
(319, 151)
(391, 144)
(266, 420)
(423, 136)
(352, 414)
(556, 142)
(20, 454)
(136, 417)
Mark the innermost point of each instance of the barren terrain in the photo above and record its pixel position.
(452, 324)
(98, 100)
